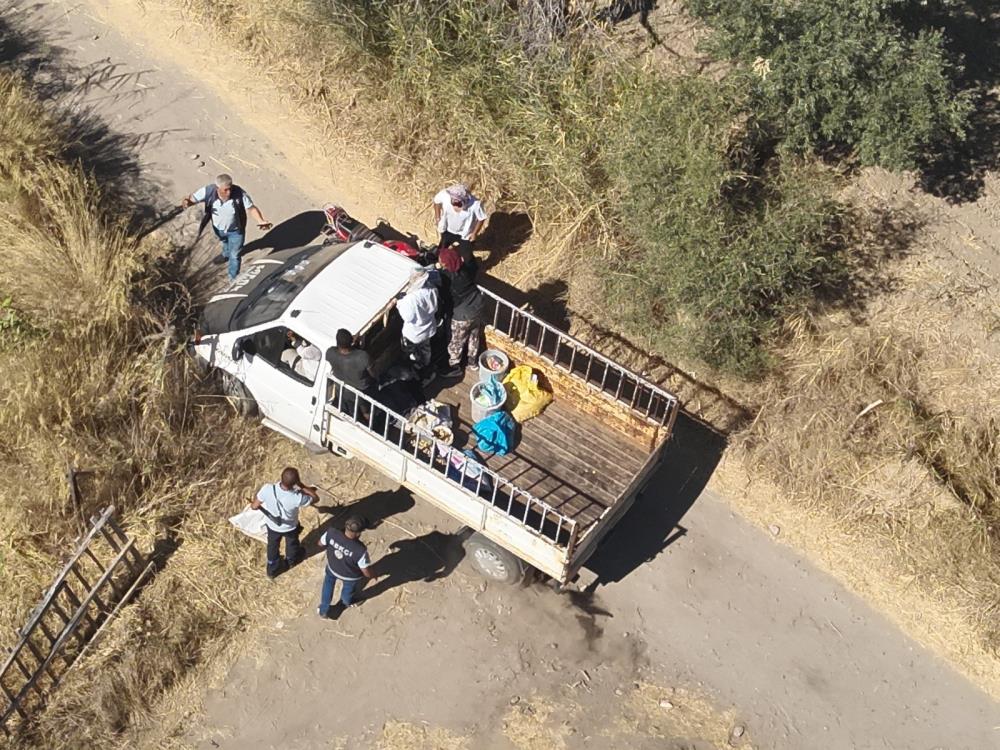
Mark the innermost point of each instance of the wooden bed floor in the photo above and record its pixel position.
(565, 457)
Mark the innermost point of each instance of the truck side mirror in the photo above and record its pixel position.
(241, 347)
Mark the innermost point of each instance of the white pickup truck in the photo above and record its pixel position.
(574, 471)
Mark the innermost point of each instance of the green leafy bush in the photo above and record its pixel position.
(844, 73)
(722, 239)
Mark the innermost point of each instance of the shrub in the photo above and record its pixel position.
(843, 73)
(722, 240)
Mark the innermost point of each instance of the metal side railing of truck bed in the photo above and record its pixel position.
(419, 445)
(642, 398)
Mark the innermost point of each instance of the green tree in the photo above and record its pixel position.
(722, 238)
(844, 73)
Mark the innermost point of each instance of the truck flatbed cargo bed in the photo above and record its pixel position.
(565, 457)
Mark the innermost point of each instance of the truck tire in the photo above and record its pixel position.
(494, 562)
(238, 396)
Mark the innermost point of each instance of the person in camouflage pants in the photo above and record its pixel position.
(467, 300)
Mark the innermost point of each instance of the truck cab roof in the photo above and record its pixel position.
(316, 290)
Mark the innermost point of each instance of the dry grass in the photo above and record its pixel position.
(671, 713)
(535, 724)
(401, 735)
(101, 382)
(893, 434)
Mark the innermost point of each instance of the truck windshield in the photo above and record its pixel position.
(270, 298)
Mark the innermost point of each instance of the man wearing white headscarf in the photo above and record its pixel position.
(460, 217)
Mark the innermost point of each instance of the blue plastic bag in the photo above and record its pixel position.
(495, 433)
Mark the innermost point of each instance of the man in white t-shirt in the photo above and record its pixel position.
(302, 357)
(460, 217)
(280, 503)
(418, 309)
(226, 206)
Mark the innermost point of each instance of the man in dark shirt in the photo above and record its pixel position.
(467, 307)
(354, 367)
(346, 561)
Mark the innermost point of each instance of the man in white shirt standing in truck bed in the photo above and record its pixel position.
(460, 217)
(418, 309)
(280, 502)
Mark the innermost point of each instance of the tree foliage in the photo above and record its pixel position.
(723, 238)
(844, 73)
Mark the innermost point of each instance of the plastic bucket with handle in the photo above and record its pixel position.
(493, 363)
(481, 411)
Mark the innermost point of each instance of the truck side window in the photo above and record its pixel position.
(275, 348)
(269, 344)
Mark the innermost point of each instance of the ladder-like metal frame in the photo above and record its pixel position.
(100, 577)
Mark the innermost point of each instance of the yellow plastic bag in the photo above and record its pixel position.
(526, 397)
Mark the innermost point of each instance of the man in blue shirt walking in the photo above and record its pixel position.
(347, 561)
(226, 206)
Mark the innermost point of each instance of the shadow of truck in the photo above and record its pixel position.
(654, 521)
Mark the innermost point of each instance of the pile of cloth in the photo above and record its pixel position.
(490, 394)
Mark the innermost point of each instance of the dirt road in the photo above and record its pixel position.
(693, 598)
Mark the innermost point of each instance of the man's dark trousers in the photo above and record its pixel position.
(294, 551)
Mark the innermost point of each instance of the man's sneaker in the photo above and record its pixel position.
(453, 372)
(220, 259)
(474, 366)
(282, 567)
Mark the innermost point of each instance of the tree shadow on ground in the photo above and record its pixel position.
(110, 157)
(298, 231)
(425, 558)
(868, 240)
(373, 508)
(622, 10)
(971, 29)
(654, 521)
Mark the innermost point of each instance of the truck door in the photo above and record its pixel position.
(284, 387)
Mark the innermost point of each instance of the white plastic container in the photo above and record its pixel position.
(485, 373)
(478, 410)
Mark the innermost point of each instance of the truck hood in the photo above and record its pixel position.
(221, 312)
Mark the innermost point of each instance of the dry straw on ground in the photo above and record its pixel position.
(96, 379)
(889, 430)
(401, 735)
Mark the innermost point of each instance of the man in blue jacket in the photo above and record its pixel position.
(347, 561)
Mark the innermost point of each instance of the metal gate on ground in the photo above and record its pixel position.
(100, 577)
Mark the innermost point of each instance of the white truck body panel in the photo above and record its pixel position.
(355, 290)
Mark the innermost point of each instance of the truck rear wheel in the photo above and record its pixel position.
(493, 561)
(237, 394)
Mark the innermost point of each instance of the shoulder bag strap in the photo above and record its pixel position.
(276, 518)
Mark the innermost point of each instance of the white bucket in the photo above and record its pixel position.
(478, 410)
(497, 357)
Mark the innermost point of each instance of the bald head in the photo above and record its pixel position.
(290, 478)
